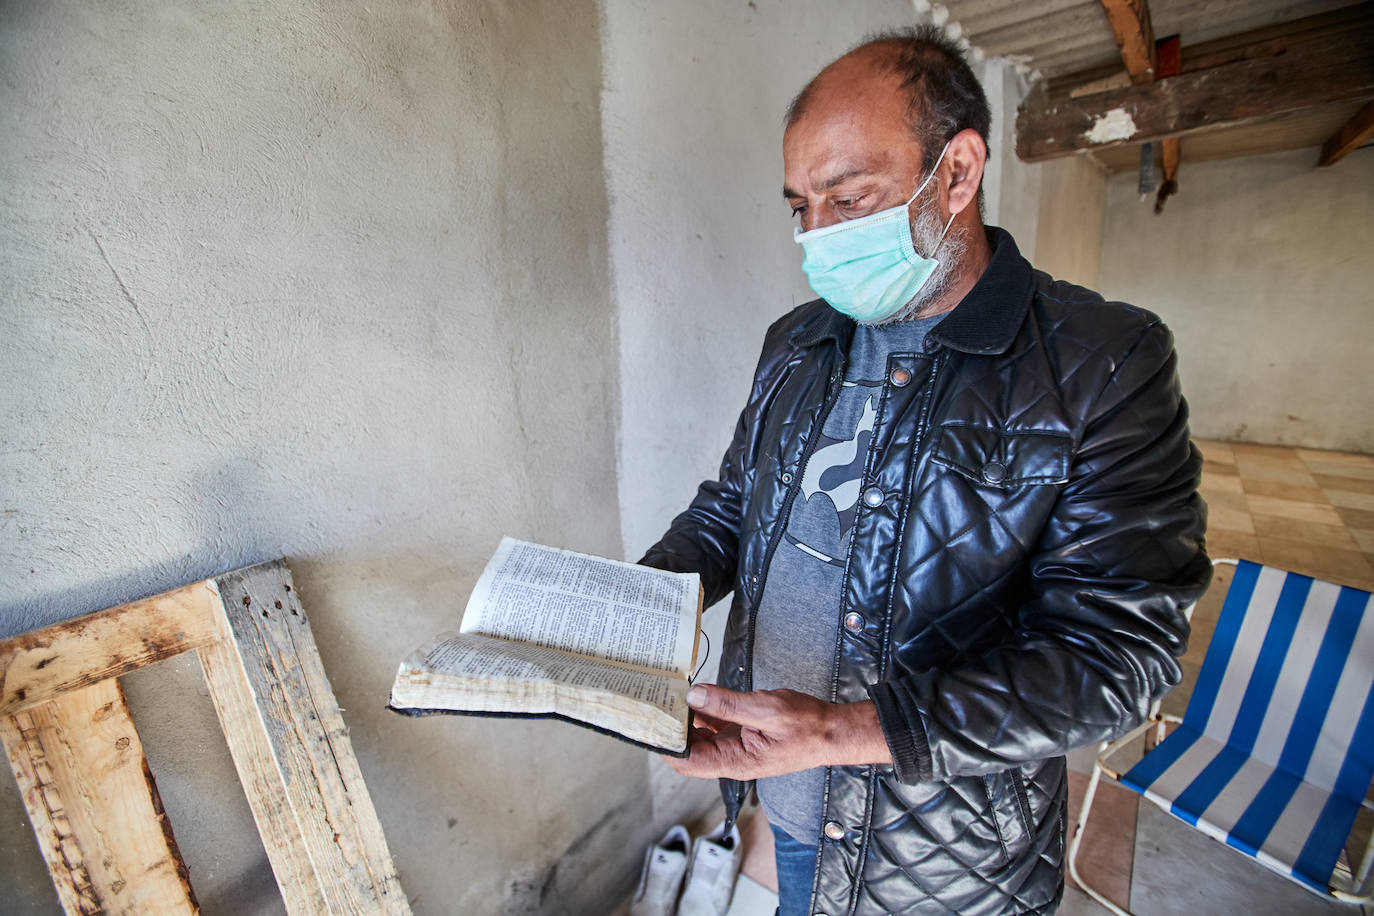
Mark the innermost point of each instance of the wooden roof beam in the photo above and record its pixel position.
(1130, 22)
(1333, 68)
(1350, 137)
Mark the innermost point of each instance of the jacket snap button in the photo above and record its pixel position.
(853, 622)
(994, 472)
(834, 830)
(873, 497)
(786, 478)
(900, 377)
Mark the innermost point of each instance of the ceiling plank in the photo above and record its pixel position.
(1130, 22)
(1344, 141)
(1333, 68)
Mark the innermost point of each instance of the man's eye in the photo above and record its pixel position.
(798, 209)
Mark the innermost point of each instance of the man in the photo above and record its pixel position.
(959, 517)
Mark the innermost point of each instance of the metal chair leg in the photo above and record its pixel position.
(1077, 840)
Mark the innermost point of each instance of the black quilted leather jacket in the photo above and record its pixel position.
(1020, 587)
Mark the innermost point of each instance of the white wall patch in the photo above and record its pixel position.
(1116, 124)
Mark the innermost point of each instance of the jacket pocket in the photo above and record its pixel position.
(1004, 459)
(1009, 810)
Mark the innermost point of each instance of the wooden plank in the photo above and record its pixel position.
(39, 665)
(94, 806)
(1299, 130)
(1350, 137)
(1130, 22)
(1309, 74)
(291, 748)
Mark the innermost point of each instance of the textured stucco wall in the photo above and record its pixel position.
(1262, 267)
(1068, 232)
(330, 282)
(1011, 188)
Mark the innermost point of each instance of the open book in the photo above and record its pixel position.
(548, 632)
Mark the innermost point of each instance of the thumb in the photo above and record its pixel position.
(748, 709)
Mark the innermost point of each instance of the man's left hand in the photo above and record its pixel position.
(771, 732)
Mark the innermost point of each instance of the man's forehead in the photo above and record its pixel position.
(824, 148)
(870, 107)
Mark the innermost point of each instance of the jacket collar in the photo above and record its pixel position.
(984, 322)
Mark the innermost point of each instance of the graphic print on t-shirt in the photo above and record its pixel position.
(824, 513)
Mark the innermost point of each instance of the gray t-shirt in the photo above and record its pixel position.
(799, 613)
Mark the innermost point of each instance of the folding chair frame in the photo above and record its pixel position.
(1360, 882)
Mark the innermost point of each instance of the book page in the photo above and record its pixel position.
(556, 598)
(476, 673)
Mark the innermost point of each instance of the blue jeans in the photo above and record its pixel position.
(796, 869)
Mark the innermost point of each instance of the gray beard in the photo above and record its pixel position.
(925, 237)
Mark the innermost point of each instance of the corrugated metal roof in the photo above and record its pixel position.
(1059, 37)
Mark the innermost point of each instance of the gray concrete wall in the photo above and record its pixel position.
(1068, 232)
(1011, 188)
(330, 282)
(1262, 267)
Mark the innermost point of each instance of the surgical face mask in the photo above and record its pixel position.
(868, 268)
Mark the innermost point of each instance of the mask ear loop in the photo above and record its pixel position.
(918, 191)
(943, 231)
(933, 170)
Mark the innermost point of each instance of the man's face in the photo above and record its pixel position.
(852, 152)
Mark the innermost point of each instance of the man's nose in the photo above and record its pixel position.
(818, 216)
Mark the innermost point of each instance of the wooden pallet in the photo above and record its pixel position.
(91, 798)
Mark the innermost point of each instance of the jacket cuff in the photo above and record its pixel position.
(906, 738)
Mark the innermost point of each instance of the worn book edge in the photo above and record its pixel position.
(417, 713)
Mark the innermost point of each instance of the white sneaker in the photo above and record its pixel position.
(711, 876)
(659, 883)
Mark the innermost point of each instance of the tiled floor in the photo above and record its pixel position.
(1306, 511)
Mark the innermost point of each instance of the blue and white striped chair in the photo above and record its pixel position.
(1275, 752)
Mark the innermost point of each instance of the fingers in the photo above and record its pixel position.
(711, 723)
(756, 710)
(710, 754)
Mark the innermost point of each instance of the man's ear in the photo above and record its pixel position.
(964, 163)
